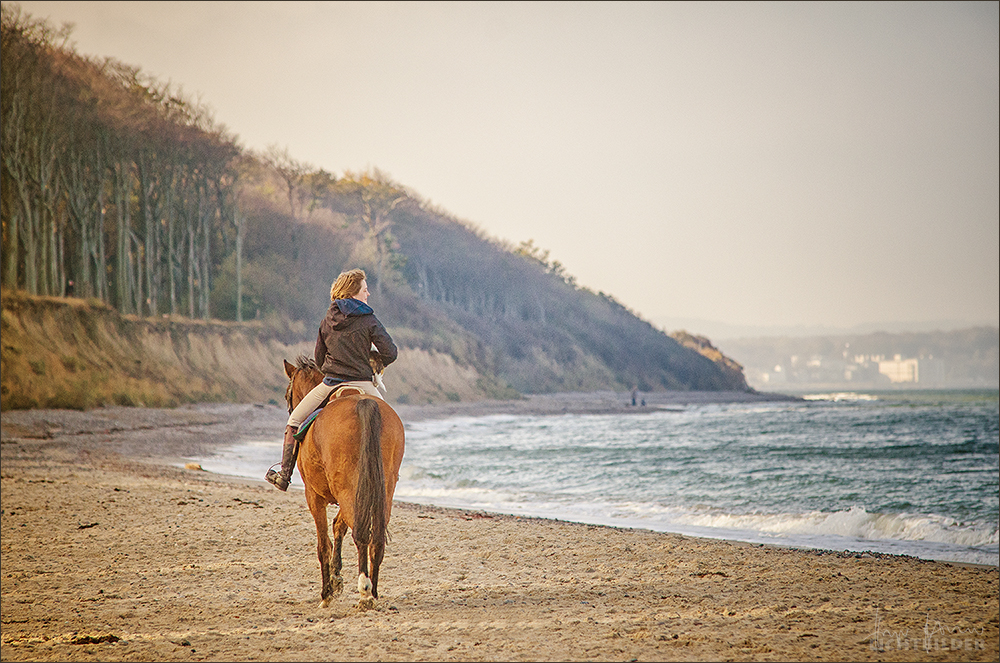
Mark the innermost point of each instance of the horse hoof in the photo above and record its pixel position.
(366, 603)
(325, 603)
(364, 585)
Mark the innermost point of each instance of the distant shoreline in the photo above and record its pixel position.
(599, 402)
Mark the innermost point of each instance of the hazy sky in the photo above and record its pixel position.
(748, 163)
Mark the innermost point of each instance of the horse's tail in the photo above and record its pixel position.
(370, 526)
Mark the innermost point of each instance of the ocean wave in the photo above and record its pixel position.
(855, 522)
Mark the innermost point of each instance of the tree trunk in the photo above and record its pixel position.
(135, 271)
(239, 266)
(78, 186)
(205, 258)
(30, 236)
(101, 258)
(172, 259)
(146, 185)
(122, 294)
(192, 236)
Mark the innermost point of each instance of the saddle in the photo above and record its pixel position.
(339, 392)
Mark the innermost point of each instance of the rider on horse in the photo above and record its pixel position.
(344, 355)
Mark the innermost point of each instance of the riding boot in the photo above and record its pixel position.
(289, 452)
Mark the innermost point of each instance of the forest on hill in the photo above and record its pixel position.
(117, 187)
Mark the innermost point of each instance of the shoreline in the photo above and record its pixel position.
(110, 554)
(171, 437)
(598, 402)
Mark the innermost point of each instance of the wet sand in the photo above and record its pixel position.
(111, 553)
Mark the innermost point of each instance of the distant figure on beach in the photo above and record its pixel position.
(635, 394)
(344, 355)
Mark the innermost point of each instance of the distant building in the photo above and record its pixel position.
(925, 370)
(898, 369)
(942, 360)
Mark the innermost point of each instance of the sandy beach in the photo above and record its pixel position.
(110, 551)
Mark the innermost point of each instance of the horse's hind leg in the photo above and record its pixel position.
(377, 552)
(339, 530)
(364, 582)
(317, 506)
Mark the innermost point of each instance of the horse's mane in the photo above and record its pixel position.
(303, 362)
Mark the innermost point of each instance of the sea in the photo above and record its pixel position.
(903, 472)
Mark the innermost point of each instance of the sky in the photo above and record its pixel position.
(715, 166)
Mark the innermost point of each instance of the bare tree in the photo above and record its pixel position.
(293, 174)
(369, 199)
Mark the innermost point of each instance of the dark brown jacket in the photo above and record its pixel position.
(345, 339)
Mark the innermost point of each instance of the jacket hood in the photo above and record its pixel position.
(353, 306)
(342, 309)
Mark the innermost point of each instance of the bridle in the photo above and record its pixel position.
(288, 392)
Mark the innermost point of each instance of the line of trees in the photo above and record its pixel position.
(114, 186)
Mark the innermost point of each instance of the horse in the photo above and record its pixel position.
(349, 456)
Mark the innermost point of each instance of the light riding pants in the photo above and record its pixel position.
(312, 400)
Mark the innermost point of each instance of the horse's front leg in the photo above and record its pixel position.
(317, 506)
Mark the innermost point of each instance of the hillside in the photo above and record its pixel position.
(153, 212)
(540, 331)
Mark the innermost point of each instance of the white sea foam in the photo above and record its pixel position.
(925, 536)
(855, 522)
(840, 396)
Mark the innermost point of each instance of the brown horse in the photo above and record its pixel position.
(349, 456)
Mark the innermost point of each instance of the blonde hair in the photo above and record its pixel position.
(347, 284)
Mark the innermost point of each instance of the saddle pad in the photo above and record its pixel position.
(301, 433)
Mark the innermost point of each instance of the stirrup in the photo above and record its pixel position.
(275, 478)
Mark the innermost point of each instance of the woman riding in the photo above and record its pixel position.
(343, 351)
